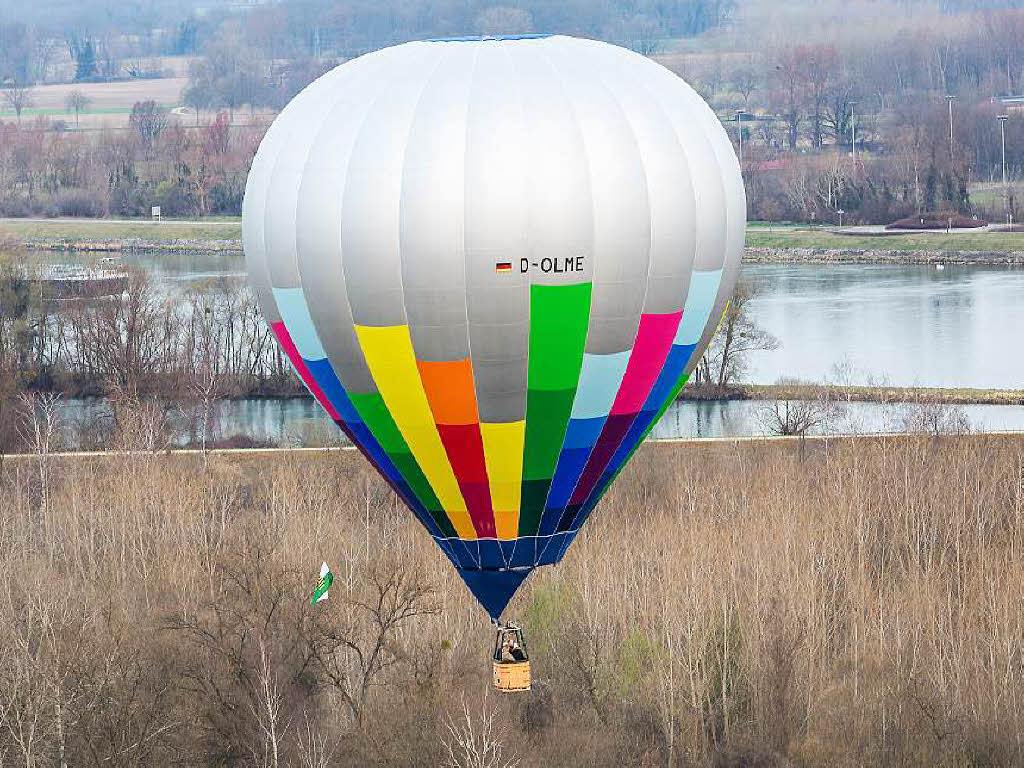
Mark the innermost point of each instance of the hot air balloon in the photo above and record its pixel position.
(494, 262)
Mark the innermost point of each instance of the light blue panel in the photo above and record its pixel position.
(292, 305)
(600, 378)
(699, 302)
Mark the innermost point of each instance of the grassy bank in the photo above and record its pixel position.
(728, 604)
(758, 236)
(996, 242)
(963, 396)
(228, 228)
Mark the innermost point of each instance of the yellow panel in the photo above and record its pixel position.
(392, 362)
(503, 455)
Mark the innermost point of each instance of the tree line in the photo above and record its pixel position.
(205, 342)
(188, 171)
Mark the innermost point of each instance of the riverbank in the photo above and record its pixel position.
(783, 245)
(855, 394)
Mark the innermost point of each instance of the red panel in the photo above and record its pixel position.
(465, 449)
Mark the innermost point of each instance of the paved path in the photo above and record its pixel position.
(336, 449)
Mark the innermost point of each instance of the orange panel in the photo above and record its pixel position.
(450, 392)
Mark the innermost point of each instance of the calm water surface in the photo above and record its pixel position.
(911, 325)
(297, 422)
(914, 325)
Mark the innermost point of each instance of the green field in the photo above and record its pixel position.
(218, 228)
(938, 241)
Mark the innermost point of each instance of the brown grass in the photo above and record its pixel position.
(728, 605)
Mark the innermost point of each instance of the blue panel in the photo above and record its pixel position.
(566, 542)
(491, 555)
(583, 433)
(323, 374)
(570, 467)
(508, 549)
(678, 356)
(466, 553)
(493, 589)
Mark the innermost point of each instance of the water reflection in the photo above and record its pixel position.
(300, 422)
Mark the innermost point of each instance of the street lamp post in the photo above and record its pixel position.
(1002, 139)
(949, 98)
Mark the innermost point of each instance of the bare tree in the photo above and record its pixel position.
(726, 358)
(76, 101)
(18, 97)
(472, 742)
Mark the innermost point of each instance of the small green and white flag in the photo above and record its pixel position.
(322, 585)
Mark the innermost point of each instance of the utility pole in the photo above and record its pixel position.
(1002, 137)
(739, 131)
(949, 98)
(853, 126)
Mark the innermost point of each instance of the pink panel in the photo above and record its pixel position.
(653, 341)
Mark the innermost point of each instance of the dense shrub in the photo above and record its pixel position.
(81, 202)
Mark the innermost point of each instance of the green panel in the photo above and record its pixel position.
(371, 409)
(374, 413)
(559, 315)
(547, 416)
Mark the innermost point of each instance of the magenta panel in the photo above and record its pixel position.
(653, 340)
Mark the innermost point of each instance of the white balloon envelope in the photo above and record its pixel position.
(494, 262)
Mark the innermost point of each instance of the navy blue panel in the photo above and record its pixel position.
(525, 552)
(491, 555)
(493, 589)
(567, 541)
(508, 549)
(568, 516)
(551, 552)
(466, 553)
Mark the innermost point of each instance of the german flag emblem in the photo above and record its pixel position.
(503, 266)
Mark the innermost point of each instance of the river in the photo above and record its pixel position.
(911, 325)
